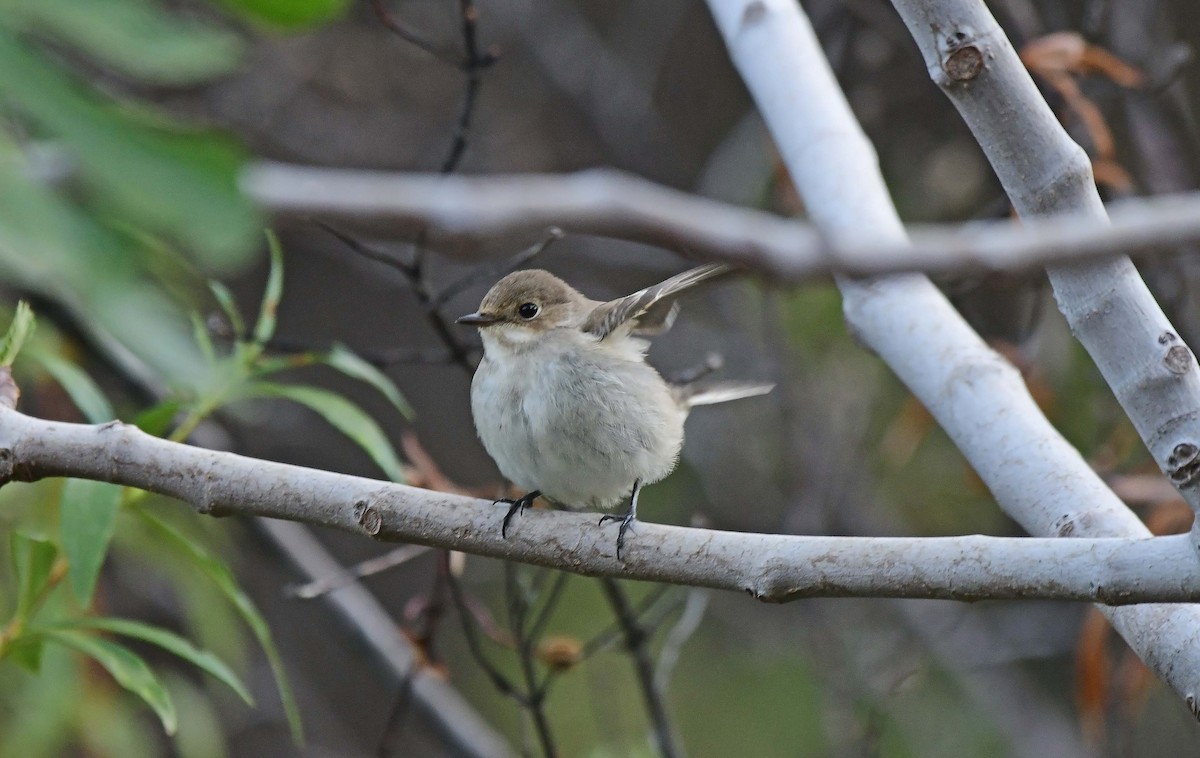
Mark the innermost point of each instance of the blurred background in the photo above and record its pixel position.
(123, 127)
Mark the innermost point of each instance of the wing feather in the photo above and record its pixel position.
(652, 310)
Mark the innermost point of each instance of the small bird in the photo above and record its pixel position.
(564, 400)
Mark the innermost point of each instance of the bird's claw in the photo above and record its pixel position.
(626, 523)
(514, 507)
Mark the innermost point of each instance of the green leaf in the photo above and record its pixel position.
(203, 338)
(87, 269)
(26, 651)
(229, 306)
(349, 363)
(130, 671)
(168, 641)
(343, 415)
(78, 385)
(288, 14)
(135, 37)
(156, 420)
(265, 328)
(18, 332)
(219, 573)
(88, 516)
(32, 558)
(183, 183)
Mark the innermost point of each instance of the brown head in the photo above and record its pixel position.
(531, 301)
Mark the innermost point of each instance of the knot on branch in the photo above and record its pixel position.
(1178, 360)
(1183, 465)
(962, 59)
(368, 517)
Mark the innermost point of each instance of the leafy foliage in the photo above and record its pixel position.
(118, 215)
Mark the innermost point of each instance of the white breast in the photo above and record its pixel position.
(576, 419)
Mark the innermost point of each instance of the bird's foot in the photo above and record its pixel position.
(626, 523)
(514, 507)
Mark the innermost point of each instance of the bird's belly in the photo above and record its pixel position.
(580, 433)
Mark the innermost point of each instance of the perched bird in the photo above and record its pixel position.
(564, 400)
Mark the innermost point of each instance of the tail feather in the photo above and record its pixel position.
(710, 393)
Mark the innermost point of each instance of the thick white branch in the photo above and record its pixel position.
(1151, 371)
(773, 568)
(461, 211)
(1036, 476)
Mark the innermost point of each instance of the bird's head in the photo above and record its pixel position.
(526, 304)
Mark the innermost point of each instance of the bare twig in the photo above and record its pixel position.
(459, 212)
(635, 642)
(454, 719)
(689, 621)
(492, 273)
(410, 35)
(371, 566)
(536, 698)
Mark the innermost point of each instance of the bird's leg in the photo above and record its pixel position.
(626, 520)
(515, 507)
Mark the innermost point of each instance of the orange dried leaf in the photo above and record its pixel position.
(1093, 676)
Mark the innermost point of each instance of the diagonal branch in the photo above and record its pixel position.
(1035, 474)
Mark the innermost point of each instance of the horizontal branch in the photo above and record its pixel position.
(774, 568)
(463, 212)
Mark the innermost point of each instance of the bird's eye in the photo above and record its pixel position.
(527, 310)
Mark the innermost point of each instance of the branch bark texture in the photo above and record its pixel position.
(773, 568)
(1149, 368)
(1036, 476)
(463, 212)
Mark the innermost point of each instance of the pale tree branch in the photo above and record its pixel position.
(773, 568)
(455, 720)
(1111, 311)
(462, 212)
(1035, 474)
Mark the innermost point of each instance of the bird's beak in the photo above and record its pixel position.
(476, 319)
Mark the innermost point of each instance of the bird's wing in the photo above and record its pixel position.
(652, 310)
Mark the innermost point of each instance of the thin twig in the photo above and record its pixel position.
(681, 632)
(492, 273)
(548, 606)
(460, 352)
(536, 700)
(635, 642)
(351, 574)
(474, 66)
(408, 34)
(499, 680)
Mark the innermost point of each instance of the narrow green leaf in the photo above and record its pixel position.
(130, 671)
(156, 420)
(219, 573)
(343, 415)
(88, 516)
(289, 14)
(265, 328)
(26, 651)
(229, 305)
(351, 364)
(32, 558)
(136, 165)
(18, 331)
(136, 37)
(202, 337)
(83, 392)
(168, 641)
